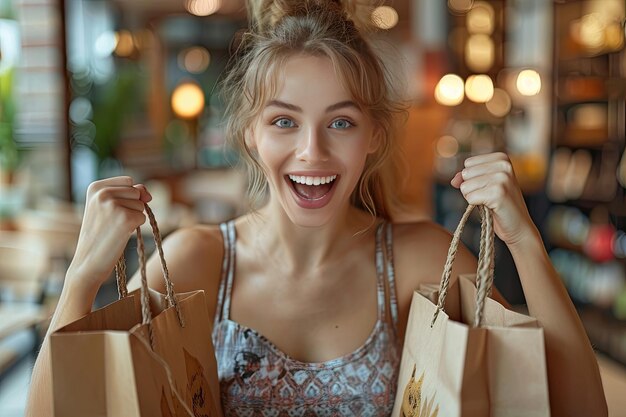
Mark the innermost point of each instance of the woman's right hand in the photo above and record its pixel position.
(113, 210)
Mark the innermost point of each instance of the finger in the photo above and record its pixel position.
(487, 196)
(117, 192)
(134, 205)
(497, 179)
(144, 195)
(481, 159)
(457, 180)
(122, 181)
(492, 167)
(472, 185)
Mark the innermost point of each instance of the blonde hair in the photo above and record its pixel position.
(336, 29)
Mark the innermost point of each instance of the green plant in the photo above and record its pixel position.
(113, 104)
(9, 150)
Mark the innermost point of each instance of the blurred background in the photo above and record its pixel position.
(95, 88)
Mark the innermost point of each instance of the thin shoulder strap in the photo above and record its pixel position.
(391, 276)
(380, 273)
(222, 309)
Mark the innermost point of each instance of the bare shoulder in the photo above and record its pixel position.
(194, 256)
(420, 251)
(194, 261)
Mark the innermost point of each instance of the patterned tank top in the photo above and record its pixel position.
(258, 379)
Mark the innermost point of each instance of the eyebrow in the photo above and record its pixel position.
(337, 106)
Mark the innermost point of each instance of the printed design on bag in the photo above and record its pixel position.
(246, 364)
(412, 404)
(198, 388)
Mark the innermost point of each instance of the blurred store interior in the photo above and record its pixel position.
(96, 88)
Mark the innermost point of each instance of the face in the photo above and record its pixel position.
(312, 140)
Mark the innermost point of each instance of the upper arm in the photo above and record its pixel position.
(194, 262)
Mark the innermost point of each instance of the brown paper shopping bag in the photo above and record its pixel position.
(465, 354)
(147, 354)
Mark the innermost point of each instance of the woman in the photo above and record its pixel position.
(310, 292)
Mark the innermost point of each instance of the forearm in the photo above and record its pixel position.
(74, 303)
(573, 374)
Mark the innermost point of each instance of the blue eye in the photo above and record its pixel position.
(284, 123)
(341, 124)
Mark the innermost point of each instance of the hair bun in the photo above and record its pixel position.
(264, 15)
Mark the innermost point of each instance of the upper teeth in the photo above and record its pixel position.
(301, 179)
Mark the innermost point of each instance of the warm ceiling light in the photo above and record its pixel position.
(481, 18)
(449, 90)
(385, 17)
(202, 7)
(528, 83)
(188, 100)
(479, 53)
(479, 88)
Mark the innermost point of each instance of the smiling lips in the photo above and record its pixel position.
(312, 192)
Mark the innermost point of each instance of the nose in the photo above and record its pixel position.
(312, 146)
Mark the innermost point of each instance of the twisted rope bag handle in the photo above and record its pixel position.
(120, 273)
(485, 270)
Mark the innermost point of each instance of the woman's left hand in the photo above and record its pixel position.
(489, 180)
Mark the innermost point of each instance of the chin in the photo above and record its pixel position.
(310, 220)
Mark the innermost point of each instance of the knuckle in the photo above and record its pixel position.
(94, 187)
(501, 177)
(125, 180)
(102, 196)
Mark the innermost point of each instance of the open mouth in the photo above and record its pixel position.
(312, 188)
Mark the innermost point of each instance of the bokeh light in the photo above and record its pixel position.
(125, 45)
(449, 90)
(500, 103)
(460, 6)
(81, 110)
(194, 60)
(481, 18)
(479, 53)
(188, 100)
(528, 82)
(479, 88)
(447, 146)
(385, 17)
(592, 31)
(105, 44)
(202, 7)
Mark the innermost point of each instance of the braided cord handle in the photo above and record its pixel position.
(485, 270)
(120, 272)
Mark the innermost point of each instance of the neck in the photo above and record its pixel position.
(302, 249)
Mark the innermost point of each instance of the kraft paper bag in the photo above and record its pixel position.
(147, 354)
(465, 354)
